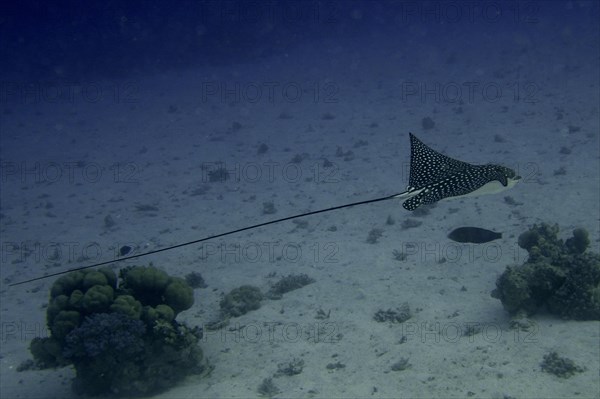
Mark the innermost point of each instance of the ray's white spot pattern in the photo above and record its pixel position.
(437, 176)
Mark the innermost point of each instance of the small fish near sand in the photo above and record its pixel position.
(474, 235)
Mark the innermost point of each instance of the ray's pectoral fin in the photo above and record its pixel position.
(425, 197)
(412, 203)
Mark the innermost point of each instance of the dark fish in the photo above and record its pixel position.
(124, 250)
(474, 235)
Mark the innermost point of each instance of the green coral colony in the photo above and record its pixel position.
(120, 334)
(122, 337)
(558, 275)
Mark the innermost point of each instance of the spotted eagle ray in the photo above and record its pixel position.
(433, 177)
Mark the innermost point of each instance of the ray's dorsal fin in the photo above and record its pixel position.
(433, 176)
